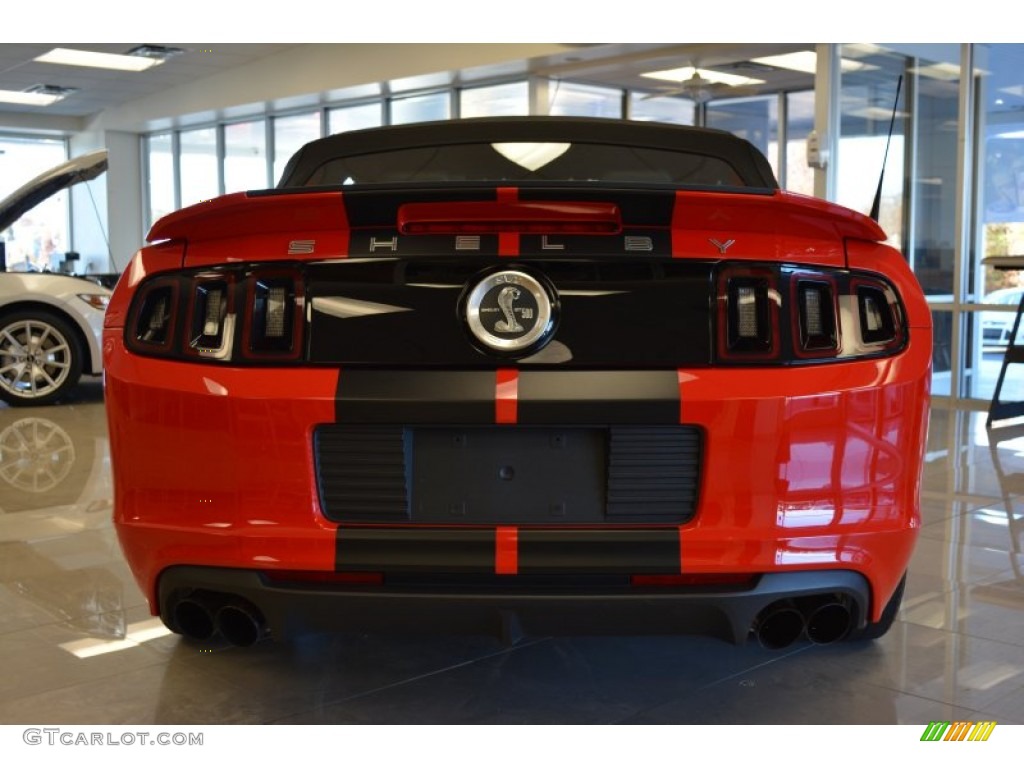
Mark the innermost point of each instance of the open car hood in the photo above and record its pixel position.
(28, 196)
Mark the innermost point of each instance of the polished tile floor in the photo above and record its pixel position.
(77, 644)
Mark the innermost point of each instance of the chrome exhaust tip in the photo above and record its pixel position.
(778, 626)
(193, 617)
(829, 623)
(240, 623)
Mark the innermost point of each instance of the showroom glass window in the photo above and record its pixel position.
(661, 109)
(930, 240)
(245, 156)
(419, 109)
(354, 118)
(38, 239)
(868, 89)
(578, 100)
(290, 133)
(918, 209)
(199, 167)
(799, 176)
(507, 99)
(160, 159)
(998, 218)
(754, 118)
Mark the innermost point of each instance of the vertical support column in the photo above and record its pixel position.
(268, 142)
(221, 150)
(782, 110)
(963, 250)
(826, 118)
(176, 157)
(539, 95)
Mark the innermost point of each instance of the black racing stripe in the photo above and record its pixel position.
(653, 550)
(452, 550)
(415, 397)
(598, 397)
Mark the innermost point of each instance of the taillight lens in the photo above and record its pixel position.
(274, 306)
(212, 317)
(879, 319)
(748, 313)
(152, 323)
(231, 314)
(782, 314)
(816, 317)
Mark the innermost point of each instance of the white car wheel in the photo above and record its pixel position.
(40, 358)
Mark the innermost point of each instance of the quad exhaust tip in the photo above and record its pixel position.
(778, 626)
(203, 616)
(824, 619)
(240, 624)
(193, 619)
(829, 623)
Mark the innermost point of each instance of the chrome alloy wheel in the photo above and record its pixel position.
(36, 359)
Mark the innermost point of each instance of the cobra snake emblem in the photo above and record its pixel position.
(506, 299)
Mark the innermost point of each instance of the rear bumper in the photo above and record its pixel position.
(509, 611)
(805, 471)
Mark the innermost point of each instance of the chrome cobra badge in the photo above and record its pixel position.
(509, 311)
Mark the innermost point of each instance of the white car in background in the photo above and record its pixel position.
(50, 324)
(996, 327)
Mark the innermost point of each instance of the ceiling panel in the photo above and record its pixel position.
(100, 89)
(616, 65)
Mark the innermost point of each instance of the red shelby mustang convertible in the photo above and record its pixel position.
(521, 375)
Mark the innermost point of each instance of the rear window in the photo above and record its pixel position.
(528, 161)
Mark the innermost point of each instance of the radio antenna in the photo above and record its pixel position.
(885, 158)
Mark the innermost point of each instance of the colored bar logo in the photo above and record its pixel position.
(958, 731)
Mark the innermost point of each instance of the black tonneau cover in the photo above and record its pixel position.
(745, 159)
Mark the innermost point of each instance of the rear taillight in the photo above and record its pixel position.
(748, 309)
(783, 314)
(274, 302)
(153, 322)
(879, 313)
(815, 321)
(231, 314)
(212, 316)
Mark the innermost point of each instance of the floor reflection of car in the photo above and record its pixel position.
(55, 503)
(996, 327)
(50, 325)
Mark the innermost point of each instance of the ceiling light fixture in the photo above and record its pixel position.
(36, 95)
(130, 62)
(682, 74)
(875, 113)
(26, 99)
(807, 61)
(939, 71)
(945, 71)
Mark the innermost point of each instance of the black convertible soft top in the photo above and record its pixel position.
(749, 165)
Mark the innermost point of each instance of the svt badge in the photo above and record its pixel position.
(510, 311)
